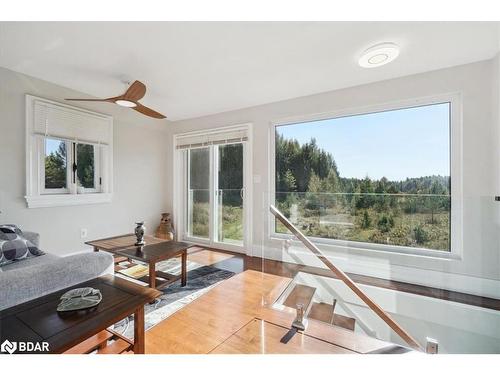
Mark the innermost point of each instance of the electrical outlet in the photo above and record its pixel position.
(432, 346)
(83, 233)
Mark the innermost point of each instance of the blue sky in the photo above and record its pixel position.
(410, 142)
(51, 145)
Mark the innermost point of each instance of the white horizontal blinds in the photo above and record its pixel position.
(215, 137)
(65, 123)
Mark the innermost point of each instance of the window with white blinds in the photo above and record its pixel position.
(213, 137)
(61, 122)
(68, 154)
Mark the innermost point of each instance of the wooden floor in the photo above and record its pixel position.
(234, 317)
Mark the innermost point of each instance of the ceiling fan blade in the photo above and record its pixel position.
(148, 111)
(89, 100)
(136, 91)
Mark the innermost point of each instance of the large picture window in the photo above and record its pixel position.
(378, 178)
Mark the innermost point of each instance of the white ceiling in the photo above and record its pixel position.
(197, 68)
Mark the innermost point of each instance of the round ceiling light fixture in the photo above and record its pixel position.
(378, 55)
(126, 103)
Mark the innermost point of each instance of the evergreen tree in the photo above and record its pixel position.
(55, 168)
(289, 182)
(366, 198)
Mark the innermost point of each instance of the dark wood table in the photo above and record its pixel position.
(155, 250)
(113, 244)
(152, 254)
(38, 321)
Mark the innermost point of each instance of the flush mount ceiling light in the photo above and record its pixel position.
(126, 103)
(378, 55)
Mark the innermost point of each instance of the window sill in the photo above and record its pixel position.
(60, 200)
(330, 245)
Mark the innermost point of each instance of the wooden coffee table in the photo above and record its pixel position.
(152, 254)
(155, 250)
(38, 321)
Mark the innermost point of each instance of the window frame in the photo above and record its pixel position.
(71, 158)
(456, 179)
(36, 193)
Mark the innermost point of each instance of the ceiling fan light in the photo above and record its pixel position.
(125, 103)
(378, 55)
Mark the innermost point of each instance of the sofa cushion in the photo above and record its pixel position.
(14, 246)
(46, 259)
(36, 279)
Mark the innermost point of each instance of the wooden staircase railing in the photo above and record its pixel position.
(348, 281)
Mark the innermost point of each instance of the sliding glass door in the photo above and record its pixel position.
(198, 193)
(229, 204)
(215, 195)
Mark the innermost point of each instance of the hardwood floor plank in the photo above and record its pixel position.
(261, 337)
(216, 316)
(212, 318)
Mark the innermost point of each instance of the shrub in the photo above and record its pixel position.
(421, 235)
(385, 223)
(366, 222)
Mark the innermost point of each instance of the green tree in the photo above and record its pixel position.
(421, 235)
(433, 201)
(314, 185)
(314, 189)
(55, 168)
(289, 182)
(366, 222)
(85, 165)
(385, 223)
(366, 198)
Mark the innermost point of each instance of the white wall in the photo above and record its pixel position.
(140, 175)
(478, 83)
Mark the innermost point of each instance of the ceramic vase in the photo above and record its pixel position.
(140, 229)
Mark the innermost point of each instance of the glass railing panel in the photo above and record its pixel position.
(376, 252)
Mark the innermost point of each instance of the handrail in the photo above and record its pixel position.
(348, 281)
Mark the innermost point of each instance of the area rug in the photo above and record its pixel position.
(200, 279)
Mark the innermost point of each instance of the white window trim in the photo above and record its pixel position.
(456, 174)
(36, 194)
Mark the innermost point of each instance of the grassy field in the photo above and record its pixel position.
(391, 226)
(231, 218)
(428, 230)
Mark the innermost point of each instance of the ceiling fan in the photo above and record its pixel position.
(129, 99)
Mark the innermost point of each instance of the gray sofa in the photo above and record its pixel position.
(34, 277)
